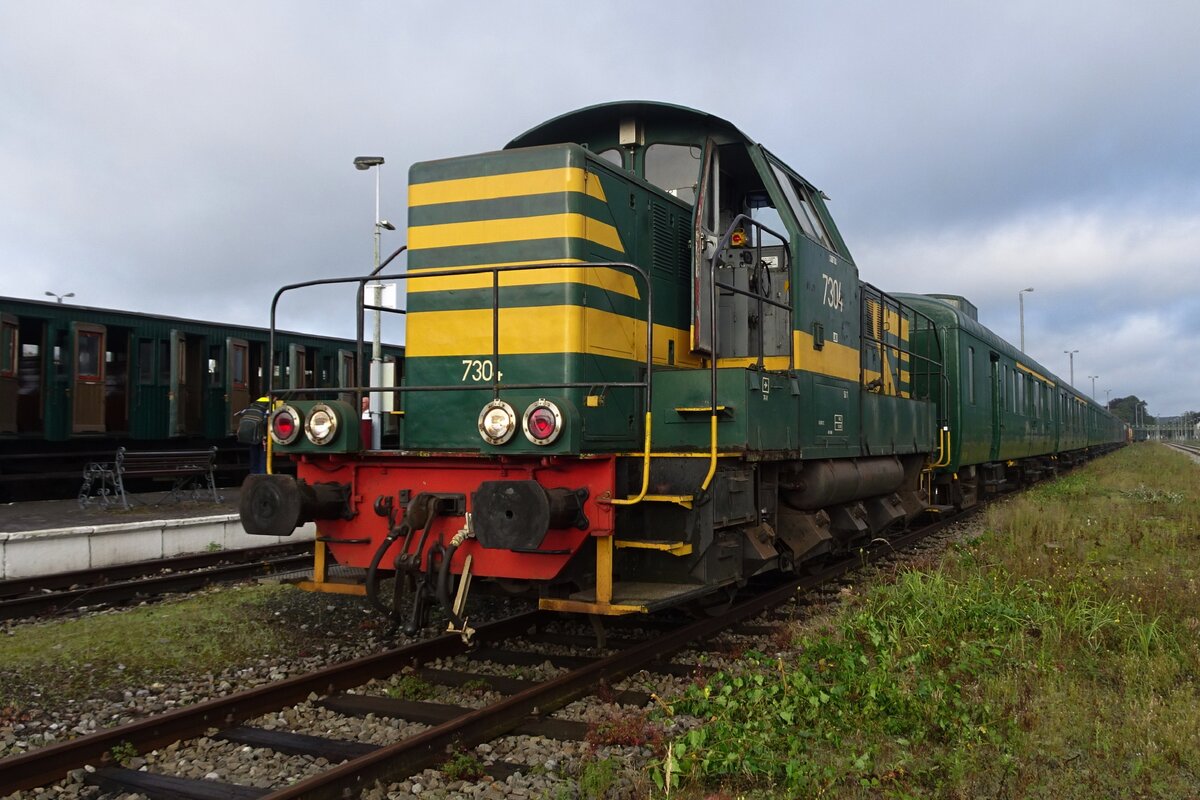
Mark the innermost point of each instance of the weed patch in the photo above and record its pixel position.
(108, 653)
(1056, 655)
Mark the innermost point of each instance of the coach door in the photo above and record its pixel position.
(296, 354)
(8, 373)
(347, 375)
(997, 408)
(87, 404)
(237, 378)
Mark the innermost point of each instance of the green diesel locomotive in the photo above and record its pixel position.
(640, 369)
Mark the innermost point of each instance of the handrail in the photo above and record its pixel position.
(944, 458)
(646, 385)
(495, 270)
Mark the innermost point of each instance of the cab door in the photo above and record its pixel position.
(87, 379)
(177, 393)
(237, 378)
(8, 373)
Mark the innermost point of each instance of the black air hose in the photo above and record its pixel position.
(443, 585)
(402, 529)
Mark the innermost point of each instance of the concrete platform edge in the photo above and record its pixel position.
(25, 554)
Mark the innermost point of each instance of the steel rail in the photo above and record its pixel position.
(120, 591)
(48, 764)
(410, 756)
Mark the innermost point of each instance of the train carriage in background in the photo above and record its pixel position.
(641, 369)
(1007, 419)
(77, 382)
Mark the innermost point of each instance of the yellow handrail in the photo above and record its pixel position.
(943, 459)
(712, 456)
(628, 501)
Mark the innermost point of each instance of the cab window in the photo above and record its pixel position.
(674, 168)
(802, 207)
(613, 156)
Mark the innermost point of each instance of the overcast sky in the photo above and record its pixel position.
(188, 159)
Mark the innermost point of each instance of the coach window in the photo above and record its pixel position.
(674, 168)
(164, 362)
(971, 375)
(238, 354)
(89, 355)
(145, 362)
(214, 365)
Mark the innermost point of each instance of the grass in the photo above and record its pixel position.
(44, 665)
(1055, 656)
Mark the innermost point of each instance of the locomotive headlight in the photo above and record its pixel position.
(497, 422)
(285, 425)
(321, 424)
(542, 422)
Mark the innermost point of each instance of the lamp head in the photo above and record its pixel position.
(387, 226)
(366, 162)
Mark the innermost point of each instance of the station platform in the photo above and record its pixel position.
(48, 536)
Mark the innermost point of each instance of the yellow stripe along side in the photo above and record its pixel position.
(576, 329)
(1034, 374)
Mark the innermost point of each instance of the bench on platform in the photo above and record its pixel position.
(189, 471)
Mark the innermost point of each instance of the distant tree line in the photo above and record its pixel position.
(1127, 409)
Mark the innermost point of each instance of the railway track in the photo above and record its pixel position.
(1187, 448)
(68, 591)
(525, 707)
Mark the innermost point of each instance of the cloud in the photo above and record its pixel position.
(1113, 283)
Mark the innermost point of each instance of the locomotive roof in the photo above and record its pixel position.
(602, 121)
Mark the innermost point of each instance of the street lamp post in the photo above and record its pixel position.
(376, 373)
(1108, 399)
(1021, 303)
(60, 297)
(1093, 377)
(1071, 355)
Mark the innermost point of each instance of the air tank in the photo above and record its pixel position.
(819, 484)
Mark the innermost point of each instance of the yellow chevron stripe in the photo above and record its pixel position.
(606, 278)
(889, 322)
(515, 229)
(513, 184)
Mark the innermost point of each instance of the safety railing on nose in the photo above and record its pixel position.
(639, 274)
(891, 349)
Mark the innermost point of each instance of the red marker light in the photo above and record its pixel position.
(285, 425)
(542, 422)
